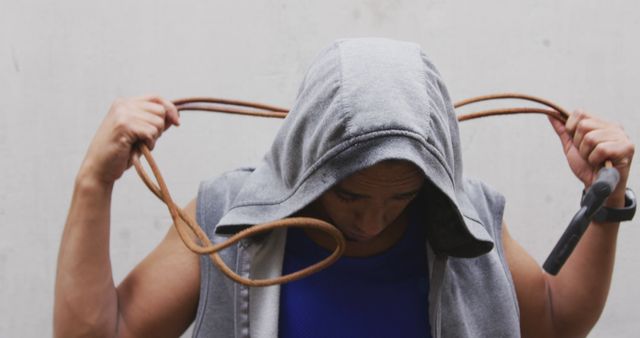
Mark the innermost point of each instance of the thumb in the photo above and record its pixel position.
(559, 128)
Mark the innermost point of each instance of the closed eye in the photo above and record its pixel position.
(407, 195)
(348, 197)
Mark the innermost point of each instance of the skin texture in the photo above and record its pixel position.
(569, 304)
(159, 297)
(369, 207)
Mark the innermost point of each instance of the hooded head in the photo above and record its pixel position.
(364, 101)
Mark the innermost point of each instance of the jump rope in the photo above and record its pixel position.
(592, 201)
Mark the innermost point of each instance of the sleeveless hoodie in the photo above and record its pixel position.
(362, 101)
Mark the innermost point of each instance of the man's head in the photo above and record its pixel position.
(363, 101)
(364, 204)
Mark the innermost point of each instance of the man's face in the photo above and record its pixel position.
(363, 205)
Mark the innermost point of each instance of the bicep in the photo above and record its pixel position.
(532, 289)
(159, 297)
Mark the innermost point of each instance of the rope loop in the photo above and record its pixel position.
(187, 226)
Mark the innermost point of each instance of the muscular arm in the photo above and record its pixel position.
(569, 304)
(159, 297)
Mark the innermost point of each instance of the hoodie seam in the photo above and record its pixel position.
(498, 219)
(346, 108)
(204, 273)
(344, 146)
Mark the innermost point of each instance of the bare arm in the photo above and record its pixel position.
(85, 297)
(87, 303)
(159, 298)
(569, 304)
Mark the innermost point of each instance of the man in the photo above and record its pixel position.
(371, 145)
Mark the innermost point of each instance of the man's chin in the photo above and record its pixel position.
(358, 238)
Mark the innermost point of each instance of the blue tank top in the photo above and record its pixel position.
(385, 295)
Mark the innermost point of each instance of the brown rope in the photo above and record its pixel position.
(185, 224)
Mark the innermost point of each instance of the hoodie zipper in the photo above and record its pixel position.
(242, 292)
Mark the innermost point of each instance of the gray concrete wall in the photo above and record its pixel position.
(62, 63)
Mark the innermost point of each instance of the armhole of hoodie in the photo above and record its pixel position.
(214, 197)
(495, 202)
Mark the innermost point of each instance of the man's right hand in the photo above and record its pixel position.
(129, 121)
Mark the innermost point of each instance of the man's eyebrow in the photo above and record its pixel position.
(349, 193)
(409, 193)
(356, 195)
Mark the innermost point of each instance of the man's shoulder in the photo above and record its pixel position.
(216, 194)
(482, 193)
(488, 203)
(227, 183)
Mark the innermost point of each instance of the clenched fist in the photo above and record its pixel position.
(129, 121)
(589, 141)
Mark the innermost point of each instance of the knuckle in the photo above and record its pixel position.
(580, 113)
(121, 121)
(631, 149)
(154, 97)
(589, 139)
(581, 126)
(158, 122)
(120, 111)
(163, 111)
(156, 131)
(122, 108)
(116, 104)
(152, 133)
(597, 155)
(151, 96)
(123, 139)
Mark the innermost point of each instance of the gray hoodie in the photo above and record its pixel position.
(362, 101)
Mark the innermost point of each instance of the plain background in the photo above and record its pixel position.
(62, 63)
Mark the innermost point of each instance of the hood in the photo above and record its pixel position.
(363, 101)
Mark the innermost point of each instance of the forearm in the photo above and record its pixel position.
(579, 292)
(569, 304)
(86, 301)
(85, 296)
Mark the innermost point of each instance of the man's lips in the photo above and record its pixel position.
(357, 236)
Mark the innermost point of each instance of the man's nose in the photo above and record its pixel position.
(372, 222)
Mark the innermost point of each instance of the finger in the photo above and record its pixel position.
(585, 126)
(573, 120)
(145, 132)
(153, 120)
(135, 153)
(619, 153)
(562, 133)
(153, 107)
(147, 97)
(149, 136)
(173, 116)
(595, 137)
